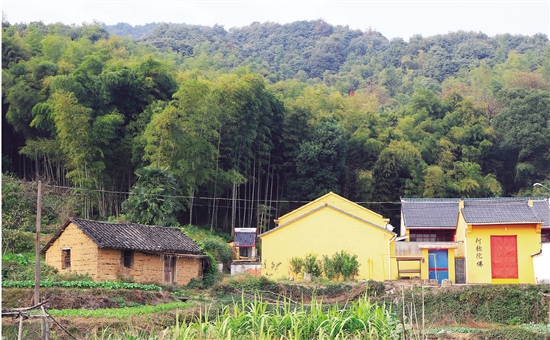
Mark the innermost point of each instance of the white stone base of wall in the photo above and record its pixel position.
(252, 268)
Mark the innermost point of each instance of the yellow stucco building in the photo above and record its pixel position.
(499, 240)
(325, 226)
(473, 240)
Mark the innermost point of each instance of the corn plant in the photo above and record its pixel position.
(258, 319)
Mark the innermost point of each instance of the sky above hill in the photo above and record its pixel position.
(391, 18)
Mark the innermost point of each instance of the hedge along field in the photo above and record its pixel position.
(495, 304)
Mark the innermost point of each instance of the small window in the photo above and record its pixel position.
(432, 235)
(545, 236)
(128, 258)
(65, 258)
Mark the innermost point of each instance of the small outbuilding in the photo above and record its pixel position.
(111, 251)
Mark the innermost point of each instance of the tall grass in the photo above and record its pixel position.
(260, 320)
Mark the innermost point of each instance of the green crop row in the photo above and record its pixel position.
(259, 320)
(81, 284)
(119, 313)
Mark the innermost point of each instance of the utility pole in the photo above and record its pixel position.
(45, 325)
(38, 231)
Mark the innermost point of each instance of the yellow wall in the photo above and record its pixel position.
(340, 203)
(326, 232)
(84, 252)
(528, 243)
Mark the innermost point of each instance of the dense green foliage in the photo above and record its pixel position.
(251, 122)
(21, 267)
(495, 304)
(19, 212)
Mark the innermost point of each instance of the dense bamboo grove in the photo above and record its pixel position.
(234, 128)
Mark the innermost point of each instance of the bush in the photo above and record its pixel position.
(375, 288)
(342, 264)
(207, 281)
(19, 267)
(328, 267)
(511, 333)
(500, 304)
(350, 265)
(296, 265)
(312, 265)
(18, 241)
(221, 251)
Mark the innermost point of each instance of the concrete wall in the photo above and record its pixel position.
(252, 268)
(541, 263)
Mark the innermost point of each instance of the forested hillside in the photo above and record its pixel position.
(235, 127)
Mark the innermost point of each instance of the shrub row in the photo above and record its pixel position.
(340, 265)
(500, 304)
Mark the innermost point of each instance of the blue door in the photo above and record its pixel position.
(438, 263)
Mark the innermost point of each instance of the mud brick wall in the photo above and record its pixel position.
(108, 265)
(84, 252)
(188, 268)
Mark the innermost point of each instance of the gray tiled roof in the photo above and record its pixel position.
(499, 212)
(543, 211)
(429, 213)
(132, 236)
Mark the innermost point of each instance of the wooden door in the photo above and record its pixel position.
(169, 269)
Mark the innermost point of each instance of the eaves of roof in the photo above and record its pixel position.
(326, 205)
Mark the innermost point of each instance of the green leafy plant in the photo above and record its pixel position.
(350, 265)
(312, 265)
(296, 265)
(358, 320)
(81, 284)
(118, 313)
